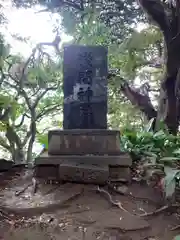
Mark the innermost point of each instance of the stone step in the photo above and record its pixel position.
(120, 174)
(84, 173)
(47, 172)
(122, 159)
(74, 172)
(83, 141)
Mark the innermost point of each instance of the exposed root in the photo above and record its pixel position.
(34, 183)
(118, 191)
(23, 190)
(115, 203)
(159, 210)
(175, 228)
(5, 215)
(51, 190)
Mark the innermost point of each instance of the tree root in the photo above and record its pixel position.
(115, 203)
(175, 228)
(33, 183)
(159, 210)
(118, 191)
(23, 190)
(5, 215)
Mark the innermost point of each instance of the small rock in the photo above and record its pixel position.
(61, 224)
(122, 189)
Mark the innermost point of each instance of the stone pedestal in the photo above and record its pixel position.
(88, 156)
(84, 142)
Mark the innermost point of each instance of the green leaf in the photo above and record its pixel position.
(43, 139)
(148, 128)
(159, 134)
(3, 127)
(176, 237)
(176, 151)
(151, 154)
(169, 159)
(170, 181)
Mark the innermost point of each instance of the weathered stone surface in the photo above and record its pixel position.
(83, 142)
(84, 173)
(120, 160)
(85, 71)
(120, 173)
(48, 172)
(46, 159)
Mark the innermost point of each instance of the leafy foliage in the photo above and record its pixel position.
(43, 140)
(154, 150)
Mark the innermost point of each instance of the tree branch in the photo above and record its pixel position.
(22, 121)
(12, 136)
(42, 95)
(33, 135)
(4, 144)
(143, 102)
(156, 10)
(46, 111)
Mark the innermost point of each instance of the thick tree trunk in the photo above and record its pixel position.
(169, 102)
(168, 110)
(16, 147)
(18, 155)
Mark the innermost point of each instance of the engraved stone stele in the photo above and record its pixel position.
(85, 150)
(85, 87)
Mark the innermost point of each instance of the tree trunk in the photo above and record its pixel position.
(18, 155)
(169, 102)
(33, 135)
(16, 147)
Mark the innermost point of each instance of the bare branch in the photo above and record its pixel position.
(26, 138)
(22, 121)
(42, 95)
(47, 111)
(137, 99)
(143, 102)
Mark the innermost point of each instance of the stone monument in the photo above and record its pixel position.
(85, 87)
(85, 150)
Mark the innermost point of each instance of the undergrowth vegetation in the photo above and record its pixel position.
(157, 155)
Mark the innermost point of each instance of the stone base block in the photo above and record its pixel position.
(118, 160)
(47, 172)
(120, 173)
(82, 142)
(84, 173)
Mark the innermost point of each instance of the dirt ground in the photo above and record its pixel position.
(80, 212)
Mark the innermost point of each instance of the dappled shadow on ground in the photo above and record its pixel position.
(75, 211)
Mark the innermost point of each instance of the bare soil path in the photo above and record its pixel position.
(79, 212)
